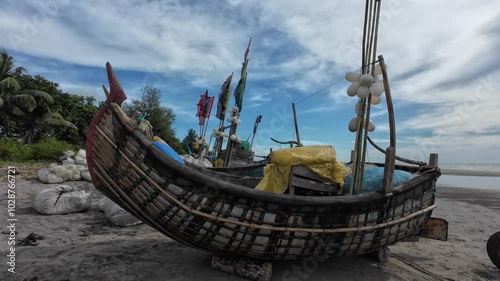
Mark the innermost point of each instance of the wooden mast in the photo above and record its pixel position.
(369, 49)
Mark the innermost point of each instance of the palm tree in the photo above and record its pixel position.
(12, 96)
(30, 106)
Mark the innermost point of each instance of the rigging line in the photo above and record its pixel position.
(326, 87)
(317, 92)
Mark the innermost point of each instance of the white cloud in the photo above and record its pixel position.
(436, 56)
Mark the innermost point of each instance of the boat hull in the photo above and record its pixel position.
(217, 213)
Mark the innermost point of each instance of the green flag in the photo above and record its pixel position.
(240, 89)
(224, 95)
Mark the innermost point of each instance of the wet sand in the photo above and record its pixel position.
(85, 246)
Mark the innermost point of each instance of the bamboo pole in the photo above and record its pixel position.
(370, 41)
(218, 141)
(390, 107)
(230, 142)
(256, 126)
(357, 164)
(391, 150)
(409, 161)
(373, 39)
(296, 125)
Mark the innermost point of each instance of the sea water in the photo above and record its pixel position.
(465, 180)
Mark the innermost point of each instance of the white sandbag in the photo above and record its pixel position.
(82, 154)
(80, 161)
(72, 172)
(68, 153)
(68, 160)
(86, 175)
(117, 215)
(59, 173)
(47, 176)
(62, 199)
(82, 167)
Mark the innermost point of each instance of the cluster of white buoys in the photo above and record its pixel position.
(235, 112)
(218, 134)
(233, 119)
(362, 86)
(354, 123)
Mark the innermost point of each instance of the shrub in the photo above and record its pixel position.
(51, 149)
(12, 150)
(47, 149)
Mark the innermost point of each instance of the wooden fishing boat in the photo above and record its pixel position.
(225, 215)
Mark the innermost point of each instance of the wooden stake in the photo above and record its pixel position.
(389, 169)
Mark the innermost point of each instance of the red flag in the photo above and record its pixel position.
(209, 102)
(201, 107)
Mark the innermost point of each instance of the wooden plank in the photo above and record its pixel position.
(304, 172)
(313, 185)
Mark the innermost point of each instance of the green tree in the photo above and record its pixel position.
(189, 140)
(79, 110)
(46, 118)
(161, 118)
(26, 105)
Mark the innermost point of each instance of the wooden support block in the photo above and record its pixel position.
(433, 160)
(251, 269)
(382, 255)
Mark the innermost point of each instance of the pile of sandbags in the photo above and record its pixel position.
(73, 168)
(62, 199)
(116, 214)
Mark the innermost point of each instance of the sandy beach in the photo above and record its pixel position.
(85, 246)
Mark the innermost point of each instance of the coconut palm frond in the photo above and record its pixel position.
(55, 119)
(23, 100)
(17, 112)
(41, 94)
(6, 64)
(1, 102)
(10, 83)
(19, 71)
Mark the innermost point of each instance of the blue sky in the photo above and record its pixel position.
(443, 60)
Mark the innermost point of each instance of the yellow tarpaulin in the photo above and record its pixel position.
(319, 159)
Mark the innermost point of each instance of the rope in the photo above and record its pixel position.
(326, 87)
(317, 92)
